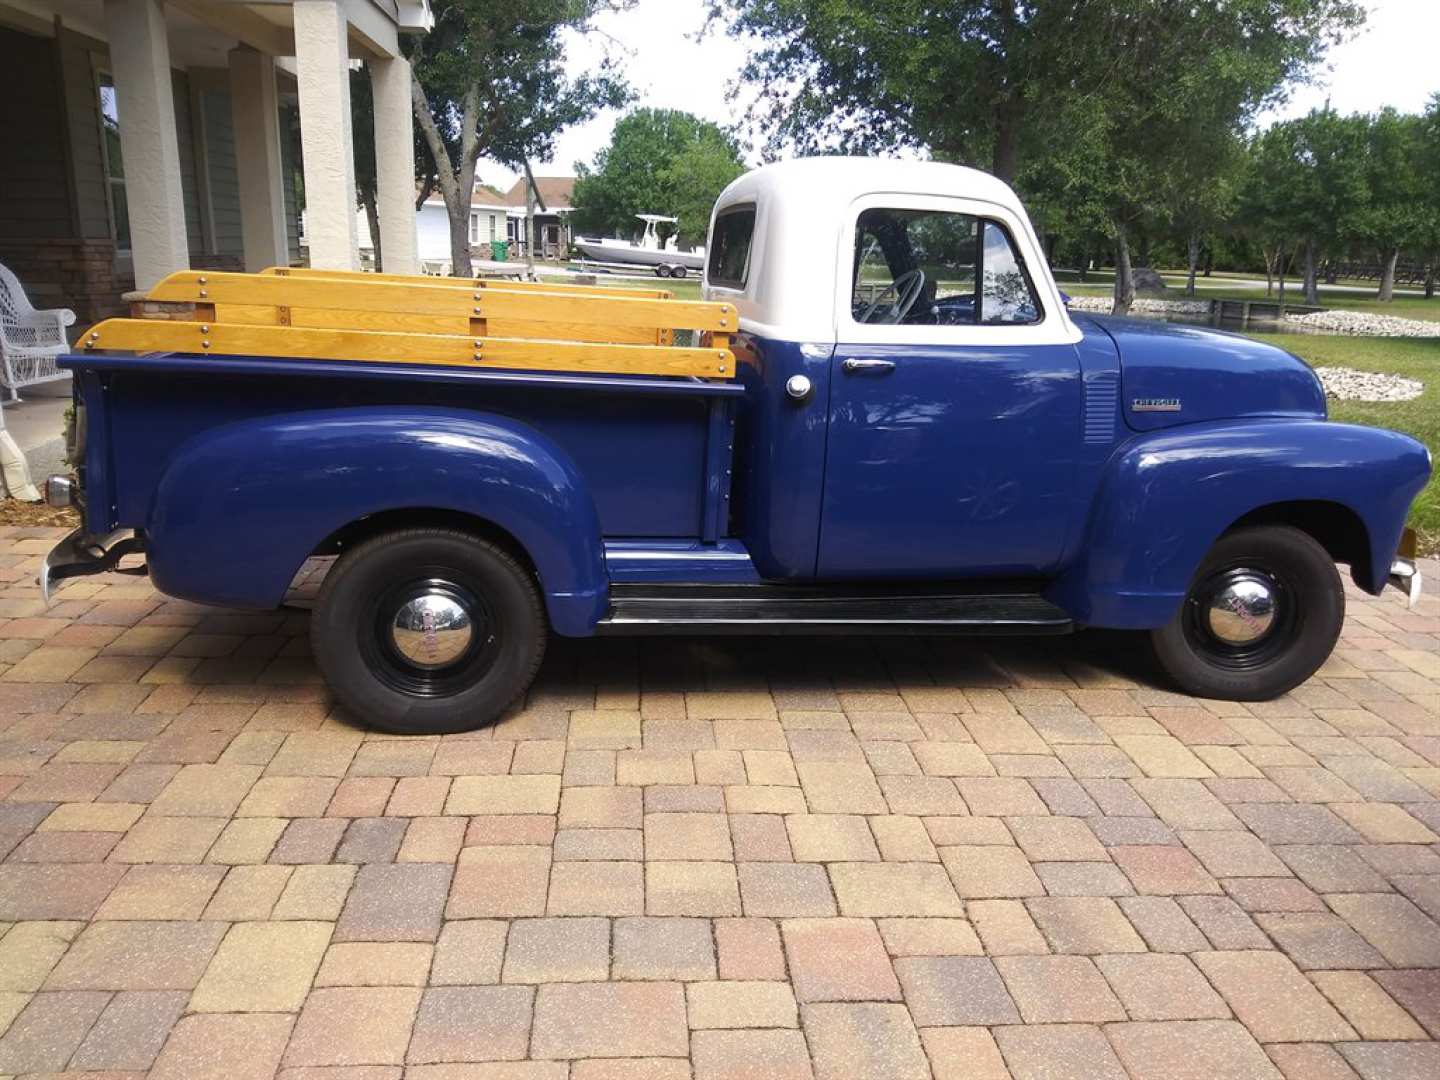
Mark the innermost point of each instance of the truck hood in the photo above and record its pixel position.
(1175, 374)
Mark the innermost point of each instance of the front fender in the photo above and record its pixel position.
(239, 508)
(1166, 498)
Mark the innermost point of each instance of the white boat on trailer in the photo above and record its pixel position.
(665, 259)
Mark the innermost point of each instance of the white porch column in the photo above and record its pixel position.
(255, 116)
(144, 96)
(394, 164)
(322, 60)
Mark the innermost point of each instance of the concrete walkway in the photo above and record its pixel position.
(825, 859)
(37, 424)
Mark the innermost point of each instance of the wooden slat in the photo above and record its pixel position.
(502, 285)
(151, 335)
(325, 319)
(546, 306)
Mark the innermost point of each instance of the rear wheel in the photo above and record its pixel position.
(428, 631)
(1263, 613)
(679, 272)
(662, 271)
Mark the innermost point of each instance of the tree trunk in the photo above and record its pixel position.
(1209, 259)
(1269, 256)
(1430, 281)
(457, 185)
(372, 221)
(1312, 286)
(1144, 251)
(1006, 155)
(1124, 282)
(1280, 272)
(1084, 263)
(1194, 254)
(1388, 259)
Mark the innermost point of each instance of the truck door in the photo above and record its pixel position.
(955, 401)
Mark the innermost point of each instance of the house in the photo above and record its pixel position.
(143, 137)
(552, 224)
(432, 229)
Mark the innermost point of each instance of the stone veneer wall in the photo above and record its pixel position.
(78, 274)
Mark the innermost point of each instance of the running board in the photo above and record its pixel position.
(782, 609)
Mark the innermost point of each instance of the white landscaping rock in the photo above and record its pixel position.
(1366, 324)
(1102, 305)
(1347, 384)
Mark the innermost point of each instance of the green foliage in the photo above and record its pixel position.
(1394, 178)
(659, 161)
(995, 81)
(510, 55)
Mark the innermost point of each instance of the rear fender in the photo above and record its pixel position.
(239, 508)
(1166, 498)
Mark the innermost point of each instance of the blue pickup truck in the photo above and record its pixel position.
(917, 438)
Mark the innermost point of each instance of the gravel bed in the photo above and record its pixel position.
(1348, 384)
(1366, 324)
(1102, 304)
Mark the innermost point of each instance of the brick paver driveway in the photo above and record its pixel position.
(842, 859)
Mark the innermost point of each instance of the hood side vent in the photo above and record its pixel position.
(1102, 401)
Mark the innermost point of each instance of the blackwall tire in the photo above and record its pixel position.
(1223, 643)
(428, 631)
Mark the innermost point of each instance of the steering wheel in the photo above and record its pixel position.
(906, 289)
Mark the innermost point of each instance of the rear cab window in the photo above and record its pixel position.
(731, 240)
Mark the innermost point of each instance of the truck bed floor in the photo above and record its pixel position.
(833, 609)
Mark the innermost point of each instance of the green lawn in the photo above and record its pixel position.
(1417, 358)
(1406, 307)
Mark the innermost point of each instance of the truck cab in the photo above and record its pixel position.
(893, 425)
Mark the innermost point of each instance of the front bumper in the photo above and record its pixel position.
(80, 554)
(1404, 573)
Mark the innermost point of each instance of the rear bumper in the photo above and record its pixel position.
(80, 554)
(1404, 573)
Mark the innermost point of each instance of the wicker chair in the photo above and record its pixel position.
(30, 340)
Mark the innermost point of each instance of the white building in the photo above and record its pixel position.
(432, 230)
(145, 136)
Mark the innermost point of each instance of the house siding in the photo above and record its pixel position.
(220, 170)
(82, 127)
(189, 182)
(34, 193)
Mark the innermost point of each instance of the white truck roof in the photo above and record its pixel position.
(804, 216)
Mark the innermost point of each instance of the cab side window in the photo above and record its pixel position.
(937, 268)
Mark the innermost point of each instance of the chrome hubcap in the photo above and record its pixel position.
(432, 629)
(1242, 610)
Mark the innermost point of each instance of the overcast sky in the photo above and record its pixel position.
(1394, 61)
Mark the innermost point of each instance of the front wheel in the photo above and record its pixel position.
(1262, 614)
(428, 631)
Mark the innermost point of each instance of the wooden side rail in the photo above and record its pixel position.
(468, 283)
(715, 361)
(206, 288)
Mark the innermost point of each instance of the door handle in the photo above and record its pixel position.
(854, 366)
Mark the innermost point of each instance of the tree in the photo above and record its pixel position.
(659, 161)
(1393, 216)
(1198, 191)
(489, 80)
(1267, 210)
(1429, 230)
(984, 81)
